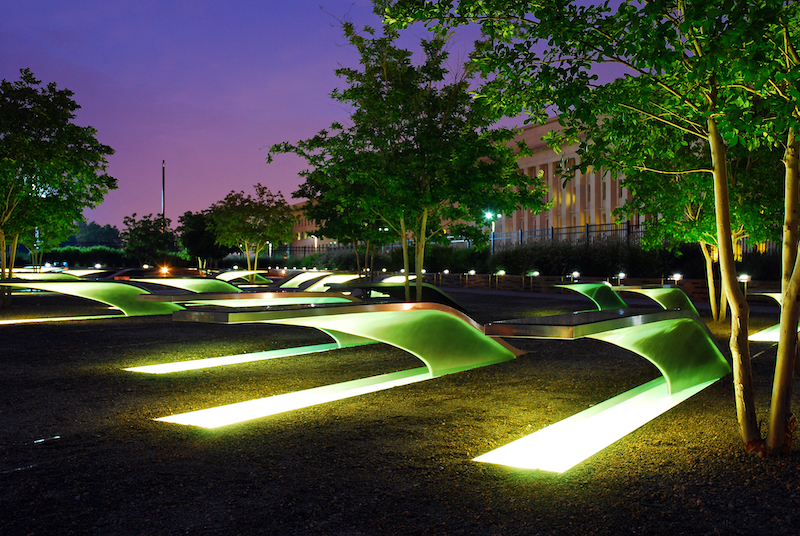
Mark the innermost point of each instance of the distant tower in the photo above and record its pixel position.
(163, 213)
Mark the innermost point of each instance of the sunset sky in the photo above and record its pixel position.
(207, 86)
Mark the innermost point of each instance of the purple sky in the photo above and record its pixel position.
(207, 86)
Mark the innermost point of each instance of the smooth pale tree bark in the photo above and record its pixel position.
(781, 420)
(419, 257)
(740, 311)
(406, 267)
(712, 287)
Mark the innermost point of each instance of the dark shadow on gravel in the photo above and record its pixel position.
(392, 462)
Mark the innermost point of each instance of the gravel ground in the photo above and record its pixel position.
(82, 455)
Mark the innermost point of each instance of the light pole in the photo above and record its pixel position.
(490, 216)
(163, 212)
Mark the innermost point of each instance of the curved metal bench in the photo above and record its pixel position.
(601, 294)
(120, 295)
(418, 328)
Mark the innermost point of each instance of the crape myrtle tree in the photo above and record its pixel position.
(251, 224)
(679, 208)
(50, 168)
(342, 216)
(725, 72)
(197, 239)
(148, 238)
(419, 153)
(94, 233)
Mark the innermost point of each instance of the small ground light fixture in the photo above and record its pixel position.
(98, 265)
(534, 273)
(164, 270)
(500, 272)
(744, 278)
(146, 266)
(471, 272)
(446, 271)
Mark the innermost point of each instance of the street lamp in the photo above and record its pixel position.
(491, 216)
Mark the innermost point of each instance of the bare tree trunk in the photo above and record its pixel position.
(406, 266)
(419, 259)
(712, 287)
(358, 259)
(740, 311)
(781, 420)
(4, 291)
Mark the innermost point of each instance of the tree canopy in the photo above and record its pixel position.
(725, 72)
(251, 224)
(50, 168)
(196, 236)
(148, 238)
(418, 155)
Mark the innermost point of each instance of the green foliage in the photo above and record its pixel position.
(599, 259)
(251, 224)
(419, 156)
(148, 239)
(89, 256)
(197, 239)
(94, 233)
(50, 168)
(455, 259)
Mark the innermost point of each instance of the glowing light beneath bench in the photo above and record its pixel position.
(262, 407)
(58, 319)
(195, 364)
(564, 444)
(770, 334)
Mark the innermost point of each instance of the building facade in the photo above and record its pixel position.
(588, 199)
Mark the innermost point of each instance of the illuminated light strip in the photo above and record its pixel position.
(194, 364)
(58, 319)
(566, 443)
(262, 407)
(770, 334)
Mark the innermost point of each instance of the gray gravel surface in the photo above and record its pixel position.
(80, 453)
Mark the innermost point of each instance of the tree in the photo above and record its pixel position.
(680, 209)
(251, 224)
(196, 236)
(93, 233)
(722, 71)
(148, 238)
(419, 155)
(50, 168)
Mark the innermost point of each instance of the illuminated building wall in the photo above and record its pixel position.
(588, 198)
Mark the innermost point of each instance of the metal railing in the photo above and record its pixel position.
(580, 234)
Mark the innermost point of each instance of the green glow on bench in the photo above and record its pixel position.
(301, 278)
(772, 333)
(287, 298)
(232, 275)
(57, 319)
(195, 364)
(273, 405)
(601, 294)
(115, 294)
(668, 298)
(322, 284)
(191, 284)
(565, 444)
(46, 276)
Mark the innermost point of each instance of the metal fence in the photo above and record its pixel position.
(577, 235)
(581, 234)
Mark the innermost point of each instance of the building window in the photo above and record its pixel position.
(604, 191)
